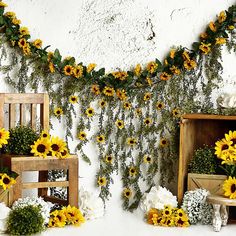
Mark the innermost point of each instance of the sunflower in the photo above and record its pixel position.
(203, 35)
(121, 94)
(10, 14)
(229, 187)
(119, 124)
(95, 89)
(51, 67)
(108, 91)
(231, 137)
(22, 43)
(100, 138)
(205, 48)
(120, 75)
(190, 65)
(41, 147)
(3, 4)
(6, 181)
(222, 147)
(152, 67)
(138, 111)
(16, 21)
(176, 113)
(38, 43)
(147, 159)
(45, 134)
(109, 159)
(73, 215)
(132, 171)
(127, 193)
(231, 27)
(50, 55)
(137, 70)
(26, 49)
(90, 112)
(220, 41)
(172, 53)
(78, 71)
(175, 70)
(73, 99)
(68, 70)
(131, 141)
(222, 17)
(91, 67)
(212, 26)
(180, 213)
(82, 135)
(152, 216)
(148, 121)
(57, 146)
(163, 142)
(147, 96)
(57, 219)
(4, 136)
(102, 181)
(160, 105)
(65, 153)
(167, 211)
(181, 221)
(102, 103)
(58, 111)
(24, 31)
(165, 76)
(127, 105)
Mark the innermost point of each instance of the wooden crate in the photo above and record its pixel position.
(6, 196)
(195, 131)
(213, 183)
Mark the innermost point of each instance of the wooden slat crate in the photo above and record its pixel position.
(195, 131)
(213, 183)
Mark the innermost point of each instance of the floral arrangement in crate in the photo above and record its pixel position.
(225, 149)
(7, 177)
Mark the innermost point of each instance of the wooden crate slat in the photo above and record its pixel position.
(32, 185)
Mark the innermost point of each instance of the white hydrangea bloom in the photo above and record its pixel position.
(90, 205)
(35, 201)
(4, 212)
(158, 197)
(194, 204)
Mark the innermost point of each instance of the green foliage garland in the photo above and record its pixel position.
(134, 115)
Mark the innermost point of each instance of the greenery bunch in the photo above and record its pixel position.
(21, 138)
(133, 115)
(25, 221)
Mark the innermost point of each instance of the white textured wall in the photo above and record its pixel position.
(119, 34)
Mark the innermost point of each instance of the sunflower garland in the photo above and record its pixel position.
(171, 83)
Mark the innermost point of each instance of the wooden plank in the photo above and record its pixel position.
(1, 110)
(17, 98)
(44, 113)
(33, 115)
(22, 114)
(32, 185)
(208, 117)
(12, 115)
(217, 199)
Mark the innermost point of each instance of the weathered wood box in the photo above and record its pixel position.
(195, 131)
(6, 196)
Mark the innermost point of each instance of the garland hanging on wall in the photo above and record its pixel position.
(133, 114)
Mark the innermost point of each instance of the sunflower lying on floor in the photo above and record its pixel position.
(48, 145)
(167, 217)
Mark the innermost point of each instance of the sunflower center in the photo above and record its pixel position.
(82, 135)
(41, 148)
(132, 171)
(163, 142)
(90, 111)
(127, 194)
(6, 181)
(180, 214)
(225, 147)
(59, 218)
(101, 181)
(73, 99)
(234, 141)
(167, 212)
(148, 159)
(45, 135)
(0, 135)
(233, 188)
(109, 158)
(58, 112)
(64, 153)
(55, 147)
(180, 222)
(68, 70)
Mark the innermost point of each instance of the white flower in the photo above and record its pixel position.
(158, 197)
(4, 212)
(35, 201)
(91, 206)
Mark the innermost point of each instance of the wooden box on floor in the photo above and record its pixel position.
(195, 131)
(6, 196)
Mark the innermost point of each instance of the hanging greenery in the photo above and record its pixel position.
(132, 116)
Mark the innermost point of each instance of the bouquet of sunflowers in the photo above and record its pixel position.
(225, 150)
(7, 177)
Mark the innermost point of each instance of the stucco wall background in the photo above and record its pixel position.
(118, 34)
